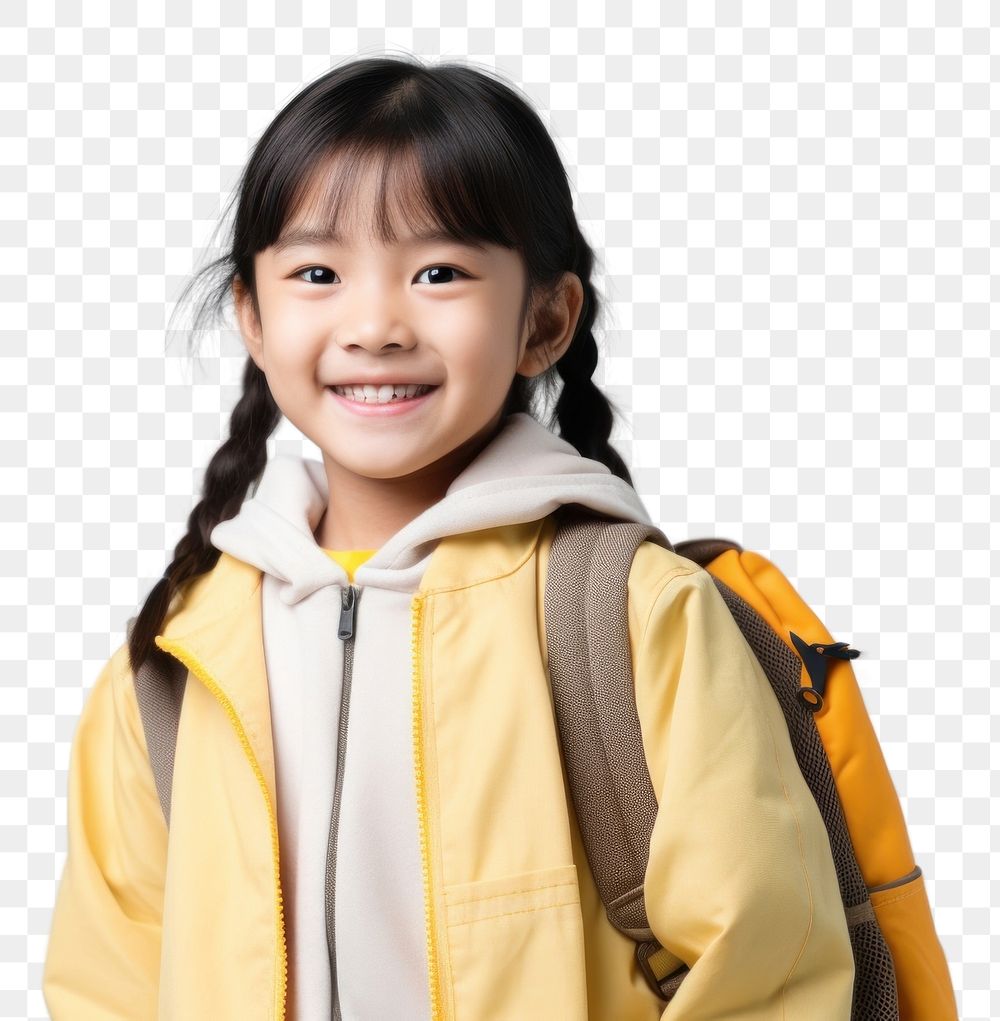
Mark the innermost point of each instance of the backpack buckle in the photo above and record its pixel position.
(665, 987)
(816, 658)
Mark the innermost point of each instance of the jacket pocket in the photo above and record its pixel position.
(508, 895)
(516, 946)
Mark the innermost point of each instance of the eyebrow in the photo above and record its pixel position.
(304, 236)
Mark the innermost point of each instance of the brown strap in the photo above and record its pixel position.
(704, 551)
(590, 666)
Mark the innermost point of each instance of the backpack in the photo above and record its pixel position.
(901, 973)
(900, 968)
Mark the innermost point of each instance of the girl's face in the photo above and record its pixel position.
(348, 310)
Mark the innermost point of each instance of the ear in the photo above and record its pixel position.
(249, 325)
(551, 327)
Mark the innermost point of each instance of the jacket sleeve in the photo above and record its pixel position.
(740, 883)
(103, 956)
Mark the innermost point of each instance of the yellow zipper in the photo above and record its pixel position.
(182, 654)
(418, 760)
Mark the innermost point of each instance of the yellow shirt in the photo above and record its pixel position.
(349, 559)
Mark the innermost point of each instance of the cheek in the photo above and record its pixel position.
(287, 372)
(289, 340)
(481, 368)
(481, 346)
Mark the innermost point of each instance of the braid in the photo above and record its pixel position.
(583, 411)
(238, 463)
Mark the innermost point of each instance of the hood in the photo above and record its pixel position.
(524, 473)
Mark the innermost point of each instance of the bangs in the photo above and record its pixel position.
(433, 201)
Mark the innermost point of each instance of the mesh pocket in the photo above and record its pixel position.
(875, 996)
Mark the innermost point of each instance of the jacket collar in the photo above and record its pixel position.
(217, 629)
(216, 604)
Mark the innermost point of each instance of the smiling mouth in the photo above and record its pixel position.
(359, 395)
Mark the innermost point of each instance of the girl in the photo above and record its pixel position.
(369, 816)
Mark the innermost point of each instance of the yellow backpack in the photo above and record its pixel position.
(900, 967)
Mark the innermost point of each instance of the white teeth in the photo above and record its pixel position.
(369, 394)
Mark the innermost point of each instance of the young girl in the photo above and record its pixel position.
(369, 815)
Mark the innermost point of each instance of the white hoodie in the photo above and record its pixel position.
(525, 473)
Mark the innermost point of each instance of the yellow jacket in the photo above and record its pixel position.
(740, 884)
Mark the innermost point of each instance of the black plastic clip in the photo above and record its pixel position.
(816, 659)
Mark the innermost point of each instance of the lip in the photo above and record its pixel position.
(382, 410)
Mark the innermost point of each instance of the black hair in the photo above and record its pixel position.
(470, 154)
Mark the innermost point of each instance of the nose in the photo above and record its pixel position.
(374, 320)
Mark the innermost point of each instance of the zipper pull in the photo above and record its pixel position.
(348, 610)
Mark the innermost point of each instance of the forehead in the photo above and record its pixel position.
(350, 203)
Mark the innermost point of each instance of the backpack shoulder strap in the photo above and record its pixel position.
(159, 690)
(590, 666)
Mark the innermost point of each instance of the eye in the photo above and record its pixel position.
(436, 271)
(311, 270)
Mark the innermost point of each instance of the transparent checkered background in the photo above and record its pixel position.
(794, 218)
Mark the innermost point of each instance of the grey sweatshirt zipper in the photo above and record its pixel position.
(348, 611)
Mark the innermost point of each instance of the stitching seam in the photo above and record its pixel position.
(511, 893)
(510, 914)
(893, 900)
